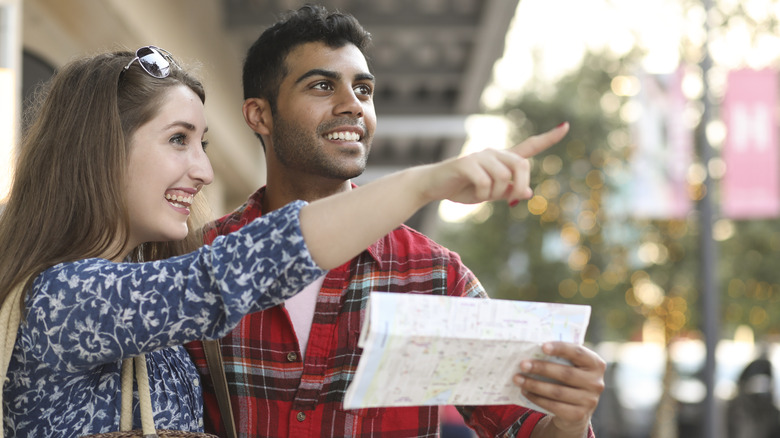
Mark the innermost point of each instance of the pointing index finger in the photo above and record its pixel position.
(537, 143)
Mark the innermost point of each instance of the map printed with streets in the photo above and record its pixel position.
(439, 350)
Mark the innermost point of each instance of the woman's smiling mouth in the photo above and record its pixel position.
(179, 199)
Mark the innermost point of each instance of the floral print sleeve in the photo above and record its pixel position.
(94, 311)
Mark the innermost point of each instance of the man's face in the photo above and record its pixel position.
(324, 119)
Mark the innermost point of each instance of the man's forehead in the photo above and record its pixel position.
(318, 55)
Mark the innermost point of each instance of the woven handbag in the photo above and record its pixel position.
(10, 318)
(145, 400)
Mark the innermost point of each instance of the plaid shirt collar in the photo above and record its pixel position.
(253, 208)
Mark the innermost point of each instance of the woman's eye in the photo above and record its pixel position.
(179, 139)
(204, 144)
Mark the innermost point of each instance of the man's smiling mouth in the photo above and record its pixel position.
(343, 135)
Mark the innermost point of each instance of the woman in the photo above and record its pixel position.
(100, 220)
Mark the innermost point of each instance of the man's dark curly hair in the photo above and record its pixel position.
(264, 66)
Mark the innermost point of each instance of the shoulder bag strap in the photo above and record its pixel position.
(213, 352)
(10, 317)
(135, 367)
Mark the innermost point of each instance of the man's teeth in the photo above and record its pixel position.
(348, 136)
(179, 200)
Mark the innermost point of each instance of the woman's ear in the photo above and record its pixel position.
(257, 114)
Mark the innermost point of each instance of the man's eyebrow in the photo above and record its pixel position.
(365, 77)
(318, 72)
(333, 75)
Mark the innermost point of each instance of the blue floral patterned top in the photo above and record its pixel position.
(84, 317)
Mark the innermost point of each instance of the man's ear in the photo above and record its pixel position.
(257, 114)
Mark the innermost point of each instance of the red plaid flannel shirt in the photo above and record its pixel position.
(275, 394)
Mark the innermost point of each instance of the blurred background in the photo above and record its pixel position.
(659, 209)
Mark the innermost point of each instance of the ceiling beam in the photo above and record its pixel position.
(421, 126)
(488, 48)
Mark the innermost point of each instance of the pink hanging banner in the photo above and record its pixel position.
(663, 150)
(751, 184)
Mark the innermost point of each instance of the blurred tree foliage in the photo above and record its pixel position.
(566, 245)
(749, 274)
(558, 247)
(574, 242)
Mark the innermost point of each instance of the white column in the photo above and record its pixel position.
(10, 88)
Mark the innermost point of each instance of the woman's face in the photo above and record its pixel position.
(167, 167)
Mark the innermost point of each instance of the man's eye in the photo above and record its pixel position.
(364, 89)
(322, 86)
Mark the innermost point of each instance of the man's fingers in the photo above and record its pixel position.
(578, 355)
(537, 143)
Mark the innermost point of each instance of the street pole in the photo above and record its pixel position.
(709, 289)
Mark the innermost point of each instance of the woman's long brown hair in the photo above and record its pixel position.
(67, 198)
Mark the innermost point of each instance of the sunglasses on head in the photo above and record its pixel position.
(154, 60)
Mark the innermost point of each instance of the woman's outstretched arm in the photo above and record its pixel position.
(339, 227)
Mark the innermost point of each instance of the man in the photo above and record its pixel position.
(309, 98)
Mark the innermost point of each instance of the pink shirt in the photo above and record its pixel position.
(301, 310)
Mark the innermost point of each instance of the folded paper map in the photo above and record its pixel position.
(439, 350)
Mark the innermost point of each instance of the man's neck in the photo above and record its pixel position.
(279, 194)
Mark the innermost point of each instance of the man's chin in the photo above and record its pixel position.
(350, 172)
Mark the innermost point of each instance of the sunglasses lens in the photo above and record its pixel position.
(153, 62)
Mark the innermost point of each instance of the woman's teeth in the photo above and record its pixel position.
(183, 201)
(348, 136)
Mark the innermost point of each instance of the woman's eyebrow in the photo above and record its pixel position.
(186, 125)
